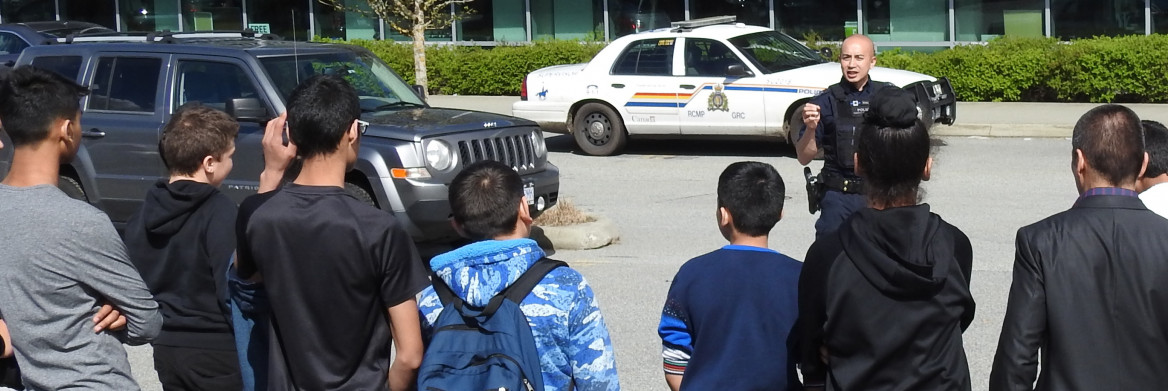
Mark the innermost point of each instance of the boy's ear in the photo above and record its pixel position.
(458, 228)
(928, 170)
(209, 164)
(724, 217)
(524, 211)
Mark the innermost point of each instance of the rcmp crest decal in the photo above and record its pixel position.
(718, 101)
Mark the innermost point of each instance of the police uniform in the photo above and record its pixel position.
(842, 109)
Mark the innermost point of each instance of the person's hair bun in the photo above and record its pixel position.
(891, 107)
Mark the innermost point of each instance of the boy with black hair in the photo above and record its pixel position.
(181, 242)
(571, 338)
(729, 313)
(342, 274)
(1152, 188)
(61, 260)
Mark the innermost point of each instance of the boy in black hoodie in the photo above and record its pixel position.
(883, 301)
(181, 242)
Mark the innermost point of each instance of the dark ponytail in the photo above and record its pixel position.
(892, 149)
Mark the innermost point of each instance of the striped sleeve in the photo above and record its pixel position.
(676, 341)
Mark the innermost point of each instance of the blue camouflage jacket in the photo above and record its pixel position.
(570, 333)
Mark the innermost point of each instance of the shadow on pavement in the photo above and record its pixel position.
(747, 147)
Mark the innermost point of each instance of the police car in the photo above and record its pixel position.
(703, 77)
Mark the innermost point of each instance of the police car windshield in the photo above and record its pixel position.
(377, 85)
(772, 51)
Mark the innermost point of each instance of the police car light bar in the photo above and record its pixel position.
(710, 21)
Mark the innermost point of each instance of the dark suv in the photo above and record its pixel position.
(408, 156)
(15, 37)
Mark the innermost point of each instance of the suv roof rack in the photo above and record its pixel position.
(165, 36)
(691, 24)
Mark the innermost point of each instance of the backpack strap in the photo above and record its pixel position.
(523, 285)
(445, 294)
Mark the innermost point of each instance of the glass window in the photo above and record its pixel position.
(207, 15)
(752, 12)
(650, 57)
(101, 12)
(1072, 19)
(288, 19)
(149, 15)
(982, 20)
(772, 51)
(16, 11)
(906, 20)
(346, 23)
(211, 83)
(499, 20)
(567, 19)
(378, 87)
(634, 16)
(707, 57)
(67, 66)
(1160, 16)
(832, 20)
(125, 84)
(11, 44)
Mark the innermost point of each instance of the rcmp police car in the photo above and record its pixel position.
(704, 77)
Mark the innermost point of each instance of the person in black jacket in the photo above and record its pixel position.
(181, 241)
(1090, 287)
(883, 301)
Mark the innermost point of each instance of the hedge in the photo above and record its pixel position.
(1104, 69)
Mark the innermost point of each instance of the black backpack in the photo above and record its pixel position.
(488, 348)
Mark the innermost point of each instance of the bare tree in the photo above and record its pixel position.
(411, 18)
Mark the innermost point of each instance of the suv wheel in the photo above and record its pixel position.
(72, 188)
(360, 193)
(599, 130)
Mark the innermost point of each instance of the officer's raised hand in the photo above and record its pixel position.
(811, 116)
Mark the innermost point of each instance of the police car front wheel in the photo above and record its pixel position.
(598, 130)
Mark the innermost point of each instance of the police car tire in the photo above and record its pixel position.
(613, 137)
(360, 194)
(72, 188)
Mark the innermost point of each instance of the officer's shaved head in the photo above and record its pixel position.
(866, 44)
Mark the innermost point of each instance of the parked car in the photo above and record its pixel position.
(409, 154)
(15, 37)
(706, 77)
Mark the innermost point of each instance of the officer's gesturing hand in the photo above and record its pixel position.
(811, 116)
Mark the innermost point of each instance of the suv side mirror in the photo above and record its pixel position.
(826, 53)
(419, 91)
(247, 110)
(738, 70)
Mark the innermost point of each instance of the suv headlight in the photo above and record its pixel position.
(438, 155)
(538, 143)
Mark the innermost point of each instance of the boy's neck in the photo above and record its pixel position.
(192, 178)
(34, 165)
(739, 239)
(324, 170)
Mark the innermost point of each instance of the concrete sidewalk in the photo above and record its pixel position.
(986, 119)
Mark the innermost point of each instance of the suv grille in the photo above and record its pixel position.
(516, 151)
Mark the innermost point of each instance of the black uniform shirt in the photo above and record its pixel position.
(825, 132)
(332, 266)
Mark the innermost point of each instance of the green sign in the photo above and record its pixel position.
(262, 28)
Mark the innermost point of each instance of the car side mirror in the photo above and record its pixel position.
(826, 52)
(248, 110)
(738, 70)
(419, 91)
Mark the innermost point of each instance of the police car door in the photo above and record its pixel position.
(719, 91)
(641, 85)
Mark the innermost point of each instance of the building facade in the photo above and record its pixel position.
(921, 24)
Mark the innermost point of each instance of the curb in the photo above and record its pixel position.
(586, 236)
(1003, 130)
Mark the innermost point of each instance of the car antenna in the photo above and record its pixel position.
(295, 54)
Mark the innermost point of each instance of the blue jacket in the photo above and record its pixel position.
(577, 350)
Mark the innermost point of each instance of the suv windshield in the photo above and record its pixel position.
(772, 51)
(377, 85)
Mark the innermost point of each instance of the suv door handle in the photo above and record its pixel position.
(687, 86)
(615, 85)
(93, 133)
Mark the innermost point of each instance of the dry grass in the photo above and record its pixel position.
(562, 214)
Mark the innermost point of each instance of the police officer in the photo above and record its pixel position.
(836, 116)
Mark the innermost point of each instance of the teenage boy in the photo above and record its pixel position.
(342, 274)
(488, 205)
(729, 312)
(61, 259)
(181, 241)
